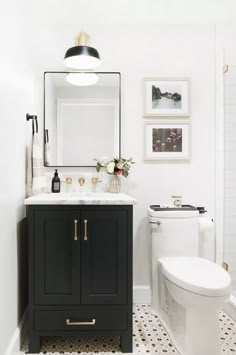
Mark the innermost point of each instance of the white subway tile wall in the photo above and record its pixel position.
(230, 173)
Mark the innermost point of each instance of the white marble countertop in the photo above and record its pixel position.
(87, 198)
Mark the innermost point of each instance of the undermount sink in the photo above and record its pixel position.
(88, 194)
(70, 198)
(82, 195)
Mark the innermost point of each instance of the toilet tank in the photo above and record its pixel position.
(174, 232)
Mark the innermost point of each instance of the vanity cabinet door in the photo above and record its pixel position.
(104, 255)
(56, 257)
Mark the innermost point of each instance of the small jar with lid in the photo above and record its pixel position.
(176, 200)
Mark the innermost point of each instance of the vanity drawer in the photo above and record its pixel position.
(68, 320)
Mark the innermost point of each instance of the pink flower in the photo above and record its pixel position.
(119, 172)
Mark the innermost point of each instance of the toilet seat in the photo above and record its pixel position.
(196, 275)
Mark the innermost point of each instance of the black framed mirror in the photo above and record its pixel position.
(82, 118)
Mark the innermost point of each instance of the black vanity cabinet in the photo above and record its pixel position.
(80, 272)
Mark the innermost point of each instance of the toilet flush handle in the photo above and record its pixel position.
(157, 222)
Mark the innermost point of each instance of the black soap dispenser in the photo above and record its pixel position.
(56, 184)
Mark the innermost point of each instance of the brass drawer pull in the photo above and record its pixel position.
(68, 322)
(76, 233)
(85, 230)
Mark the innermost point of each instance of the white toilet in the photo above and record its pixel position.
(187, 290)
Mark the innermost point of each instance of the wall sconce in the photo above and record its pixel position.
(82, 56)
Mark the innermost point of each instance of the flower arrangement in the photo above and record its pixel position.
(116, 166)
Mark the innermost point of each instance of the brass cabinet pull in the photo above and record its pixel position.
(68, 322)
(85, 230)
(76, 233)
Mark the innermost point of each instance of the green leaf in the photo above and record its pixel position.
(98, 167)
(125, 173)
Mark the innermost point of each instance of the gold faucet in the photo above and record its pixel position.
(95, 180)
(81, 181)
(68, 180)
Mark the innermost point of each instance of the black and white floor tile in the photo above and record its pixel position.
(149, 337)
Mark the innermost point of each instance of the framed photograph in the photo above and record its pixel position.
(167, 141)
(167, 97)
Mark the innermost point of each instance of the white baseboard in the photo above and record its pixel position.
(142, 294)
(18, 336)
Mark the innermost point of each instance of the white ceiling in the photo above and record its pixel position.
(82, 12)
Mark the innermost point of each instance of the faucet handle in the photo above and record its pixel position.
(81, 181)
(95, 180)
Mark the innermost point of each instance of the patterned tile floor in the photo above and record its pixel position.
(150, 337)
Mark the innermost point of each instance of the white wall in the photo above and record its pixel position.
(140, 51)
(16, 100)
(133, 12)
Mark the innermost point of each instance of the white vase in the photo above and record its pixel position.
(114, 185)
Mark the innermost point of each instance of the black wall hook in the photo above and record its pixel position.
(34, 119)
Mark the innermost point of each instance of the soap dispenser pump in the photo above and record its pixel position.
(56, 184)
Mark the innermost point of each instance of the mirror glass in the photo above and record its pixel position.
(81, 118)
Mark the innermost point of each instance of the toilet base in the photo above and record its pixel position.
(202, 332)
(193, 321)
(197, 340)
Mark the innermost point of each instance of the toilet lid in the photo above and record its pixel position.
(197, 275)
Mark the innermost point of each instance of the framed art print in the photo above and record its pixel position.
(167, 141)
(167, 97)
